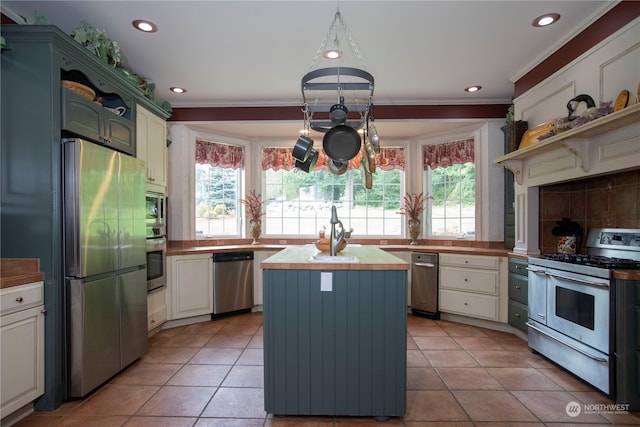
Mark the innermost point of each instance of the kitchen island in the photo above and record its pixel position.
(335, 333)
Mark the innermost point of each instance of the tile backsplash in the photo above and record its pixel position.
(611, 200)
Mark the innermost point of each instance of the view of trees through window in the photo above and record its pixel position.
(299, 203)
(453, 208)
(216, 201)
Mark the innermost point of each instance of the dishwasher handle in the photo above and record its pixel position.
(232, 256)
(424, 264)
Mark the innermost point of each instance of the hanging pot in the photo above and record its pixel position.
(373, 138)
(302, 148)
(338, 168)
(341, 143)
(339, 112)
(369, 156)
(310, 163)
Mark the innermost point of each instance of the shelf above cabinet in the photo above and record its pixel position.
(575, 141)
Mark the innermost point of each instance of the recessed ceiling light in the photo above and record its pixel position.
(546, 19)
(332, 54)
(176, 89)
(472, 88)
(145, 26)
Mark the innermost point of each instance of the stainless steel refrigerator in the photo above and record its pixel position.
(105, 255)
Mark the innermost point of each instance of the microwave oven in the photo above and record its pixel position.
(156, 215)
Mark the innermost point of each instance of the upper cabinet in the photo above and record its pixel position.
(151, 137)
(89, 119)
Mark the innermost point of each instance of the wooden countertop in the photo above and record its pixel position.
(297, 258)
(194, 250)
(19, 271)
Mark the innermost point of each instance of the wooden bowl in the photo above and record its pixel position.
(324, 245)
(80, 89)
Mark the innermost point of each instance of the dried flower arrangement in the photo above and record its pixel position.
(253, 202)
(414, 204)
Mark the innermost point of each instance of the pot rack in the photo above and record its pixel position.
(326, 90)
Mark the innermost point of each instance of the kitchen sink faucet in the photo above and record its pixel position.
(336, 237)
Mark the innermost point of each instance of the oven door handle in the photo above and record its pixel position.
(584, 282)
(597, 359)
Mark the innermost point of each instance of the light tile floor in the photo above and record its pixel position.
(211, 374)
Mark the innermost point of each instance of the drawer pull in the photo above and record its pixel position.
(466, 303)
(19, 299)
(517, 315)
(465, 279)
(517, 286)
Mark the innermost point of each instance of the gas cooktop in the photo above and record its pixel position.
(596, 261)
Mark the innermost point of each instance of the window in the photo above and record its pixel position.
(299, 203)
(450, 177)
(218, 177)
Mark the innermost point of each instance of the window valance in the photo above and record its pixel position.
(221, 155)
(449, 153)
(281, 158)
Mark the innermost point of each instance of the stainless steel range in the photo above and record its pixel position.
(572, 304)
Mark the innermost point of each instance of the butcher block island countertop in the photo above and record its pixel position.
(369, 258)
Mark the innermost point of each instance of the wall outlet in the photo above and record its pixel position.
(384, 242)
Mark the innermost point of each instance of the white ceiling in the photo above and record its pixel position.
(254, 53)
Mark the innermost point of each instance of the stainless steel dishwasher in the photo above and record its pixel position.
(424, 285)
(232, 282)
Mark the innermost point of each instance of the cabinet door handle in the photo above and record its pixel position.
(517, 286)
(517, 315)
(43, 311)
(19, 299)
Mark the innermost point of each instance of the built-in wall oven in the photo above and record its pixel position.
(156, 241)
(572, 304)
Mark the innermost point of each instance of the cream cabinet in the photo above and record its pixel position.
(151, 139)
(471, 285)
(156, 308)
(258, 257)
(22, 346)
(191, 283)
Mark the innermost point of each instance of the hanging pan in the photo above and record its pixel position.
(339, 112)
(338, 168)
(341, 143)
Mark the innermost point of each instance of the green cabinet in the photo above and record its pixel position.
(627, 354)
(33, 121)
(337, 351)
(518, 293)
(87, 119)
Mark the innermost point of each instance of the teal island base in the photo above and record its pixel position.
(335, 342)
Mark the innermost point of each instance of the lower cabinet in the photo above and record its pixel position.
(156, 308)
(258, 257)
(470, 285)
(22, 348)
(518, 293)
(191, 285)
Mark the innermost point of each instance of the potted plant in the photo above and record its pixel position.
(98, 42)
(253, 203)
(412, 206)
